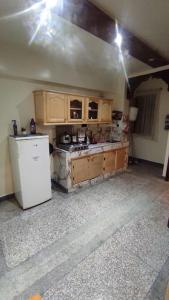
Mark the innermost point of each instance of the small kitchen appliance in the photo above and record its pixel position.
(74, 147)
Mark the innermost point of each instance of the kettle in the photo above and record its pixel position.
(65, 138)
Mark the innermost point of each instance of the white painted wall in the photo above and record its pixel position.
(85, 62)
(154, 150)
(16, 102)
(166, 158)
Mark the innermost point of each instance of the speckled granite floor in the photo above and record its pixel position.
(107, 242)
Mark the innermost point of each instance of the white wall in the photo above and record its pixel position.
(92, 67)
(148, 149)
(166, 158)
(16, 102)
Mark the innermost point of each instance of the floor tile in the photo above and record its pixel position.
(111, 272)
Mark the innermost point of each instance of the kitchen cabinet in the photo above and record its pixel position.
(80, 169)
(93, 110)
(50, 108)
(121, 158)
(87, 167)
(76, 109)
(109, 164)
(55, 108)
(95, 165)
(106, 111)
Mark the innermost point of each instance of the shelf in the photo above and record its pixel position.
(92, 109)
(73, 108)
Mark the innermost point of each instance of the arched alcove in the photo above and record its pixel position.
(154, 149)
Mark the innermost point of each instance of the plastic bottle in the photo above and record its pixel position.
(32, 127)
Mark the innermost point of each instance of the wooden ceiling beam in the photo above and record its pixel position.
(89, 17)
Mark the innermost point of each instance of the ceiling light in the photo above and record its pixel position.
(118, 40)
(45, 17)
(50, 3)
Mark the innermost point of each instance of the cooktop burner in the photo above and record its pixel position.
(73, 147)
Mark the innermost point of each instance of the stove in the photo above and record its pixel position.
(73, 147)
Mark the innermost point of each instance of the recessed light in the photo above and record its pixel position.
(151, 59)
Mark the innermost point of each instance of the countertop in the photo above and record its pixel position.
(93, 148)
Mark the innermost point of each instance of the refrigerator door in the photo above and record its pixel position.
(34, 169)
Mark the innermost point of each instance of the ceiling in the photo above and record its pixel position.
(147, 19)
(69, 44)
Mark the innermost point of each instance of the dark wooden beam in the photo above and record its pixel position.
(134, 82)
(90, 18)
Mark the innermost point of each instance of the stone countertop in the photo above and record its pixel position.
(93, 148)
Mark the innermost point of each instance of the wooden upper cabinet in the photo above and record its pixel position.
(106, 111)
(59, 108)
(109, 164)
(56, 108)
(50, 107)
(93, 107)
(40, 111)
(121, 158)
(76, 109)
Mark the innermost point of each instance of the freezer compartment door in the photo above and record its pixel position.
(34, 165)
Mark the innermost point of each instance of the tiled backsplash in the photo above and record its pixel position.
(101, 133)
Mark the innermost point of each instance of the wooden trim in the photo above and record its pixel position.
(7, 197)
(134, 82)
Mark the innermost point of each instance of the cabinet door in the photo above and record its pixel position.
(55, 108)
(40, 113)
(106, 111)
(75, 109)
(80, 169)
(109, 164)
(121, 158)
(93, 110)
(96, 165)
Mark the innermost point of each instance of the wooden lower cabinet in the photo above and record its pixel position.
(85, 168)
(80, 169)
(89, 167)
(121, 158)
(95, 165)
(109, 164)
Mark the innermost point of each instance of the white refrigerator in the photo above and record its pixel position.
(31, 169)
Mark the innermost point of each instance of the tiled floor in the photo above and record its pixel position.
(109, 241)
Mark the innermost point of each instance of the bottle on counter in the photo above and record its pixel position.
(15, 128)
(32, 126)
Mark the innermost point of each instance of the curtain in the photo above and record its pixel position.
(147, 113)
